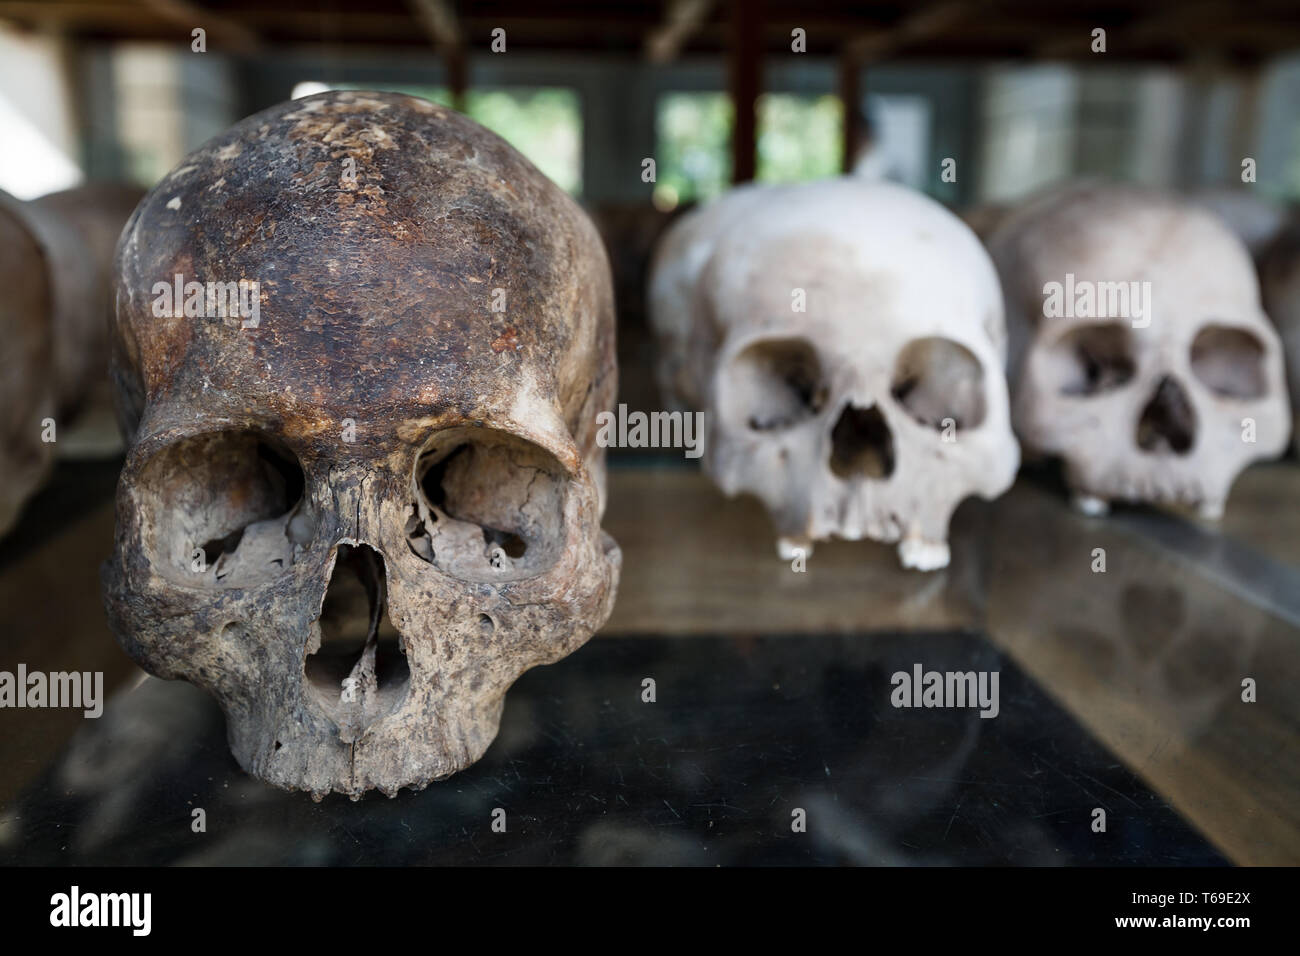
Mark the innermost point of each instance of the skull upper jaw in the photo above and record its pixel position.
(857, 464)
(1125, 443)
(915, 503)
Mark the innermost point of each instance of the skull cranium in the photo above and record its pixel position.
(357, 521)
(1167, 406)
(847, 339)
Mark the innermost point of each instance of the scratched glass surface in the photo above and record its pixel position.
(744, 733)
(1119, 690)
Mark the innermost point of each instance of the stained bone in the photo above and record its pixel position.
(373, 361)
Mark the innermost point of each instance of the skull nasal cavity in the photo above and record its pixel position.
(1167, 423)
(360, 672)
(861, 444)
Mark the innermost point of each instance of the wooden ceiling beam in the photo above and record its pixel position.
(221, 30)
(926, 23)
(444, 31)
(745, 83)
(439, 22)
(682, 20)
(941, 30)
(1190, 29)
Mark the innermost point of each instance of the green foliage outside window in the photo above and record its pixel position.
(799, 138)
(692, 147)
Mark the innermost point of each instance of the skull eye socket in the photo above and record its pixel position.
(1092, 359)
(1229, 362)
(940, 383)
(774, 385)
(219, 509)
(490, 506)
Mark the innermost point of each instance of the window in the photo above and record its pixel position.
(799, 138)
(692, 147)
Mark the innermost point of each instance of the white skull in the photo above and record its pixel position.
(846, 338)
(1167, 406)
(1255, 219)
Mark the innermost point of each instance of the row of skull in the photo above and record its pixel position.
(903, 387)
(359, 608)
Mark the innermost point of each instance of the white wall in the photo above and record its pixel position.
(1027, 127)
(41, 152)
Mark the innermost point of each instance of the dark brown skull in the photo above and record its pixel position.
(358, 520)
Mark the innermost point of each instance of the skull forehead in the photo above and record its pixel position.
(377, 293)
(1197, 268)
(867, 256)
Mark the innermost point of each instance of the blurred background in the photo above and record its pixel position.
(715, 91)
(112, 89)
(1123, 688)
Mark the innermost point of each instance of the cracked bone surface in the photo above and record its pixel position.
(876, 408)
(1166, 406)
(357, 523)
